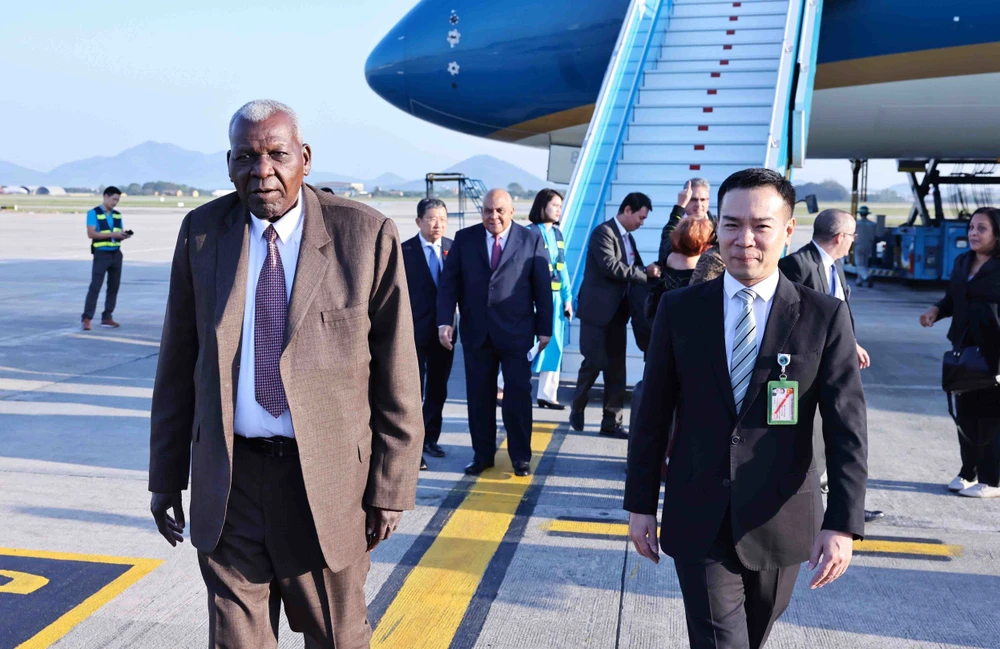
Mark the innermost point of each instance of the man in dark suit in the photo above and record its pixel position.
(817, 265)
(424, 257)
(742, 507)
(287, 388)
(498, 275)
(613, 269)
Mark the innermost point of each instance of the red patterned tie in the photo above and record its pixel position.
(497, 250)
(270, 314)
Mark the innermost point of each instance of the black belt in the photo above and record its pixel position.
(274, 446)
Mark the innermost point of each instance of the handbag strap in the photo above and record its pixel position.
(954, 417)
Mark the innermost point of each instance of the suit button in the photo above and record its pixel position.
(736, 440)
(726, 482)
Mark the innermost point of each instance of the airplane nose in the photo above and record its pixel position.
(384, 69)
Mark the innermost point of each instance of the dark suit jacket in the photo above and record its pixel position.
(511, 305)
(606, 275)
(423, 291)
(348, 366)
(723, 460)
(972, 306)
(805, 266)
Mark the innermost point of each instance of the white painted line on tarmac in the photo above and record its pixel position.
(114, 339)
(48, 408)
(24, 385)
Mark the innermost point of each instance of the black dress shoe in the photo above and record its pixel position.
(615, 433)
(551, 405)
(873, 515)
(522, 468)
(576, 419)
(476, 467)
(423, 463)
(433, 449)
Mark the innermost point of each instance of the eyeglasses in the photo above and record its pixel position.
(853, 235)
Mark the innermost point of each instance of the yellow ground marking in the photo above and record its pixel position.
(587, 527)
(909, 547)
(429, 607)
(115, 339)
(140, 568)
(890, 547)
(21, 583)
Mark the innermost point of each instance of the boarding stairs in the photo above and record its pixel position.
(695, 88)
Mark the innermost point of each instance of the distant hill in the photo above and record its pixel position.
(153, 161)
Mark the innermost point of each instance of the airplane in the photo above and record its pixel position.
(895, 78)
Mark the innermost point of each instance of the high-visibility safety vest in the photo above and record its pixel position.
(560, 257)
(104, 226)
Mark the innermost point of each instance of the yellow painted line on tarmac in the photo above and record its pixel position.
(616, 529)
(594, 528)
(429, 607)
(53, 632)
(906, 547)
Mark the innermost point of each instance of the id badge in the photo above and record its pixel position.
(783, 397)
(782, 403)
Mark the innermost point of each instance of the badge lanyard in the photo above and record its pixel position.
(783, 397)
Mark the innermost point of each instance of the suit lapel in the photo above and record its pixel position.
(312, 263)
(621, 241)
(715, 330)
(842, 278)
(818, 264)
(232, 261)
(479, 238)
(513, 243)
(415, 249)
(784, 314)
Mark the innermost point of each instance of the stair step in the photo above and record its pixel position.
(739, 154)
(668, 80)
(709, 9)
(706, 98)
(668, 115)
(732, 36)
(692, 134)
(719, 52)
(638, 172)
(666, 66)
(726, 22)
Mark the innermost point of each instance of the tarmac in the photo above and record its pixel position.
(498, 561)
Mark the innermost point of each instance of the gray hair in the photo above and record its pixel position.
(258, 110)
(700, 182)
(830, 223)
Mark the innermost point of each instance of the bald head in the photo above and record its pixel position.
(498, 211)
(834, 231)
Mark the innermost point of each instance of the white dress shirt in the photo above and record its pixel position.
(250, 418)
(503, 241)
(627, 242)
(732, 307)
(829, 270)
(432, 248)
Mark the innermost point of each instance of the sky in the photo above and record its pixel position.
(82, 79)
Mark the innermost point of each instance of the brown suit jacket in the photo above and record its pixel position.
(349, 368)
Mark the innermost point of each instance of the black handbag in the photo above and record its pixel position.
(966, 370)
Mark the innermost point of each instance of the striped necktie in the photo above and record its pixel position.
(744, 348)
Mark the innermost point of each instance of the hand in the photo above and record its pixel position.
(930, 317)
(836, 549)
(543, 342)
(380, 524)
(568, 311)
(864, 360)
(172, 529)
(445, 333)
(684, 196)
(653, 271)
(642, 531)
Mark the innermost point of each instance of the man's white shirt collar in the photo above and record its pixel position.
(825, 256)
(284, 226)
(621, 228)
(424, 242)
(764, 290)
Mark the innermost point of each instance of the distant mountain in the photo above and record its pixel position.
(152, 161)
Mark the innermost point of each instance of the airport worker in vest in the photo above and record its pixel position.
(104, 227)
(864, 247)
(545, 214)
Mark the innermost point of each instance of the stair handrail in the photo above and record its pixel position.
(611, 88)
(802, 103)
(776, 157)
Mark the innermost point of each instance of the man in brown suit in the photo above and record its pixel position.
(288, 382)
